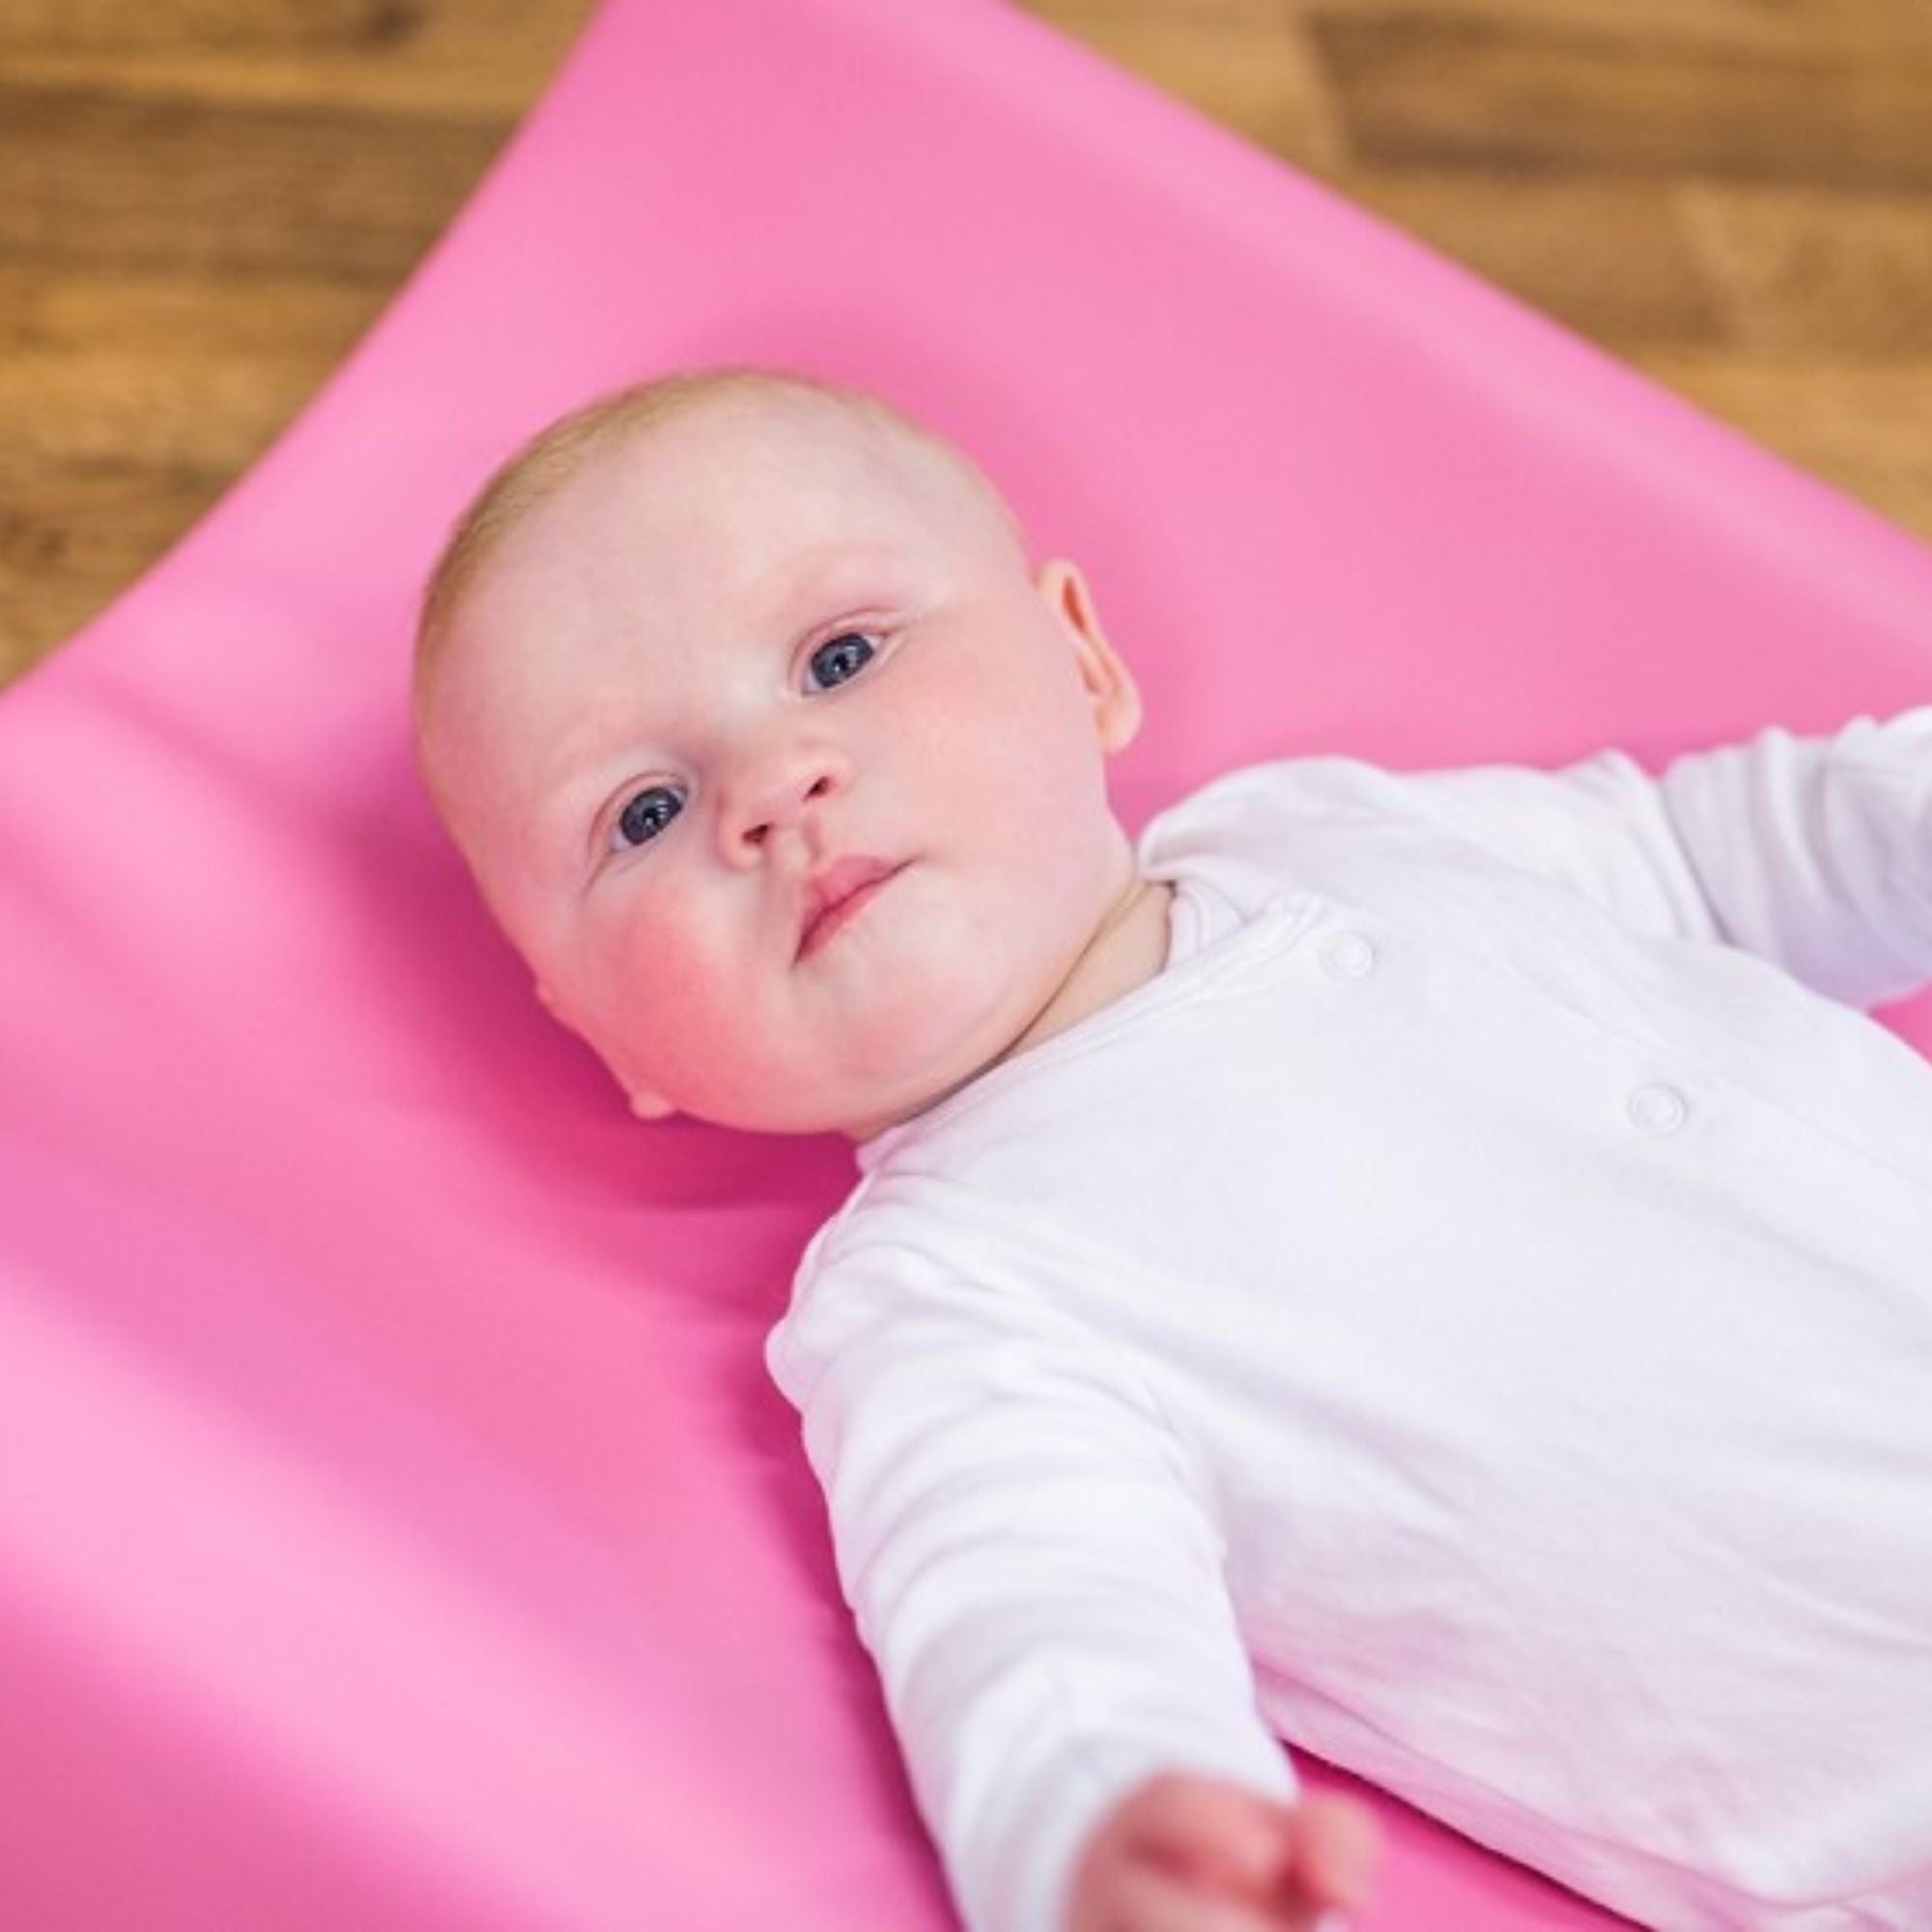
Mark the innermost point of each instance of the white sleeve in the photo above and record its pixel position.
(1018, 1534)
(1815, 852)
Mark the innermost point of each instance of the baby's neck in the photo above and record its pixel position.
(1128, 949)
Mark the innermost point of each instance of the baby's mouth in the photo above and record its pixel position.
(837, 894)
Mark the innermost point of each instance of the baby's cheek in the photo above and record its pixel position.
(688, 1019)
(623, 979)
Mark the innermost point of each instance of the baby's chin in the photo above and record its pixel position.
(895, 1058)
(853, 1121)
(858, 1113)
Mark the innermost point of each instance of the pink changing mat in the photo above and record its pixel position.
(396, 1528)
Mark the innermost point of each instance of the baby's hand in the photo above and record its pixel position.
(1187, 1853)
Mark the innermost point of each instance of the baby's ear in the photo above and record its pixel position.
(1109, 684)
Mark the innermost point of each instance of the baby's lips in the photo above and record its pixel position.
(833, 884)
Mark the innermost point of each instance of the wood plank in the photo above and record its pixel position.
(1752, 29)
(161, 367)
(72, 534)
(1799, 270)
(1553, 95)
(467, 57)
(133, 400)
(107, 181)
(1247, 65)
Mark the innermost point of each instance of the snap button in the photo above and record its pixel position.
(1658, 1109)
(1349, 956)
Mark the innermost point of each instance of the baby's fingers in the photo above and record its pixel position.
(1209, 1829)
(1337, 1846)
(1151, 1900)
(1316, 1854)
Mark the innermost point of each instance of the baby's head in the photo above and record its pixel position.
(708, 655)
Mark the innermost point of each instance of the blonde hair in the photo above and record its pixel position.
(534, 473)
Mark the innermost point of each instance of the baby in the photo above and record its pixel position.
(1433, 1267)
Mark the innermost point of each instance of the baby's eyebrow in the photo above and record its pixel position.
(805, 565)
(827, 573)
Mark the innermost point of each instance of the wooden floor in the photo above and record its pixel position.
(204, 202)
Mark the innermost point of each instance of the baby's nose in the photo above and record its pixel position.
(778, 791)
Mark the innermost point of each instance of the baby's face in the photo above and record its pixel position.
(765, 653)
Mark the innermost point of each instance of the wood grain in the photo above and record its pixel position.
(203, 203)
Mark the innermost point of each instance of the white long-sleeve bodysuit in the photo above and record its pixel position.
(1470, 1315)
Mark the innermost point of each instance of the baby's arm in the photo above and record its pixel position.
(1024, 1544)
(1814, 852)
(1817, 852)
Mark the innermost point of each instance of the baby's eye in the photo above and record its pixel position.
(841, 658)
(645, 815)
